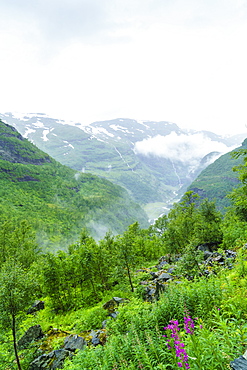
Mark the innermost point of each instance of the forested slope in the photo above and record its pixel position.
(217, 180)
(57, 200)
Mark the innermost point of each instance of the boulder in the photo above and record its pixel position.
(32, 334)
(37, 306)
(51, 361)
(152, 292)
(164, 277)
(207, 247)
(97, 337)
(74, 342)
(239, 363)
(95, 341)
(113, 303)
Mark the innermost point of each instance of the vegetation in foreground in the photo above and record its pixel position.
(198, 322)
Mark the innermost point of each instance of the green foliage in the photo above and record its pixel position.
(217, 180)
(56, 200)
(77, 281)
(238, 195)
(136, 337)
(189, 224)
(17, 242)
(190, 264)
(208, 226)
(16, 292)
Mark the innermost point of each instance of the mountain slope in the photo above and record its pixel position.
(154, 161)
(218, 179)
(56, 199)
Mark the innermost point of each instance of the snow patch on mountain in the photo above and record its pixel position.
(28, 131)
(120, 128)
(143, 123)
(97, 130)
(45, 133)
(38, 124)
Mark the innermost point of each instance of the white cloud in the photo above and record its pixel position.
(89, 60)
(185, 148)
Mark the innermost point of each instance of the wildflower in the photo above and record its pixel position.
(178, 346)
(189, 325)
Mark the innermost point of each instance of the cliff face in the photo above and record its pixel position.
(15, 149)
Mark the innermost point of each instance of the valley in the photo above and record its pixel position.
(154, 161)
(88, 282)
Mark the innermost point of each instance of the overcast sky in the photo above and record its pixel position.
(183, 61)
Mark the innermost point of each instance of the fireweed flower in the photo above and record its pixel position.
(189, 325)
(177, 345)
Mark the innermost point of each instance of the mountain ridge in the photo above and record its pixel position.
(154, 161)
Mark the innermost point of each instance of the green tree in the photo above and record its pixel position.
(180, 223)
(18, 242)
(16, 293)
(208, 225)
(54, 282)
(127, 252)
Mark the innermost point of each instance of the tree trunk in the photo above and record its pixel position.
(130, 281)
(14, 342)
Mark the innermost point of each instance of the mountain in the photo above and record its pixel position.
(57, 200)
(154, 161)
(219, 179)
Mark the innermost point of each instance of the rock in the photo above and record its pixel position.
(104, 323)
(152, 292)
(230, 254)
(164, 276)
(59, 356)
(95, 341)
(161, 265)
(110, 305)
(113, 303)
(154, 274)
(239, 364)
(171, 270)
(51, 361)
(217, 257)
(149, 294)
(118, 300)
(113, 314)
(98, 337)
(207, 255)
(37, 306)
(32, 334)
(210, 247)
(74, 342)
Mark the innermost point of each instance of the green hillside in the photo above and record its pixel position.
(152, 299)
(119, 151)
(218, 179)
(57, 200)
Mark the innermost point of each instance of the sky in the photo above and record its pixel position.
(182, 61)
